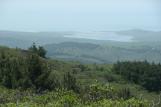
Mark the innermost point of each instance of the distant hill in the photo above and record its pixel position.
(142, 35)
(91, 47)
(92, 53)
(25, 39)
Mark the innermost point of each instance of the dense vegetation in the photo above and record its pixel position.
(146, 74)
(27, 78)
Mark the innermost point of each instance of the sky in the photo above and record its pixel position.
(79, 15)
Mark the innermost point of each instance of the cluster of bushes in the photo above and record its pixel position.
(31, 71)
(146, 74)
(96, 96)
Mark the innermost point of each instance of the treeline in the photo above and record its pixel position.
(145, 74)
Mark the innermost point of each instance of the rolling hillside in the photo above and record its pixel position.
(90, 47)
(92, 53)
(24, 39)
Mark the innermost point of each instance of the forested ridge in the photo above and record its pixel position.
(105, 53)
(29, 78)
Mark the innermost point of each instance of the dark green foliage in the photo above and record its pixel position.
(32, 71)
(146, 74)
(82, 67)
(12, 70)
(52, 82)
(124, 93)
(17, 71)
(70, 82)
(38, 71)
(33, 48)
(42, 52)
(38, 50)
(111, 77)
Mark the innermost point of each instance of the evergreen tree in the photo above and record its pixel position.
(33, 48)
(38, 50)
(42, 52)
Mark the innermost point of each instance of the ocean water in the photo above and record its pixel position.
(101, 36)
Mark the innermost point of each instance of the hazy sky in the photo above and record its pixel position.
(79, 15)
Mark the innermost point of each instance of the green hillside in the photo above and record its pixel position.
(28, 79)
(25, 39)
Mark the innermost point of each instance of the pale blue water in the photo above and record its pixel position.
(101, 36)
